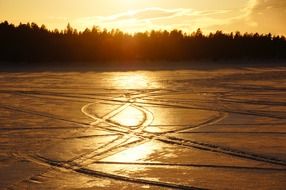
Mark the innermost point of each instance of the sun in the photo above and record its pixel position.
(131, 13)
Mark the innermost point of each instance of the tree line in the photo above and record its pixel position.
(32, 43)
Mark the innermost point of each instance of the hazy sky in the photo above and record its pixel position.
(139, 15)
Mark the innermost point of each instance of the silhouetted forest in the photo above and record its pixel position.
(33, 43)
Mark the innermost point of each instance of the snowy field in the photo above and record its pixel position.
(187, 129)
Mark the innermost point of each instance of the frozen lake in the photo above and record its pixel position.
(185, 129)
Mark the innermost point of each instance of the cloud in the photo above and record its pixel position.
(263, 16)
(270, 15)
(158, 18)
(149, 13)
(257, 15)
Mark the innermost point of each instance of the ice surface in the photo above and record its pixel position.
(184, 129)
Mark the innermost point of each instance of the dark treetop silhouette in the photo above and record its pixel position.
(31, 43)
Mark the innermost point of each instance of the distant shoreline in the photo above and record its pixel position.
(136, 65)
(39, 47)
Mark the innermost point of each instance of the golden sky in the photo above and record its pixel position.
(139, 15)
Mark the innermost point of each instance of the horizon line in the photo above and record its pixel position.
(101, 29)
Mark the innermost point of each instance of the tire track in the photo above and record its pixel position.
(154, 136)
(223, 150)
(95, 173)
(204, 146)
(78, 164)
(147, 120)
(84, 158)
(189, 165)
(209, 147)
(41, 114)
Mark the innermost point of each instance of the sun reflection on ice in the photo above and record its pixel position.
(131, 81)
(123, 163)
(134, 154)
(130, 117)
(134, 117)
